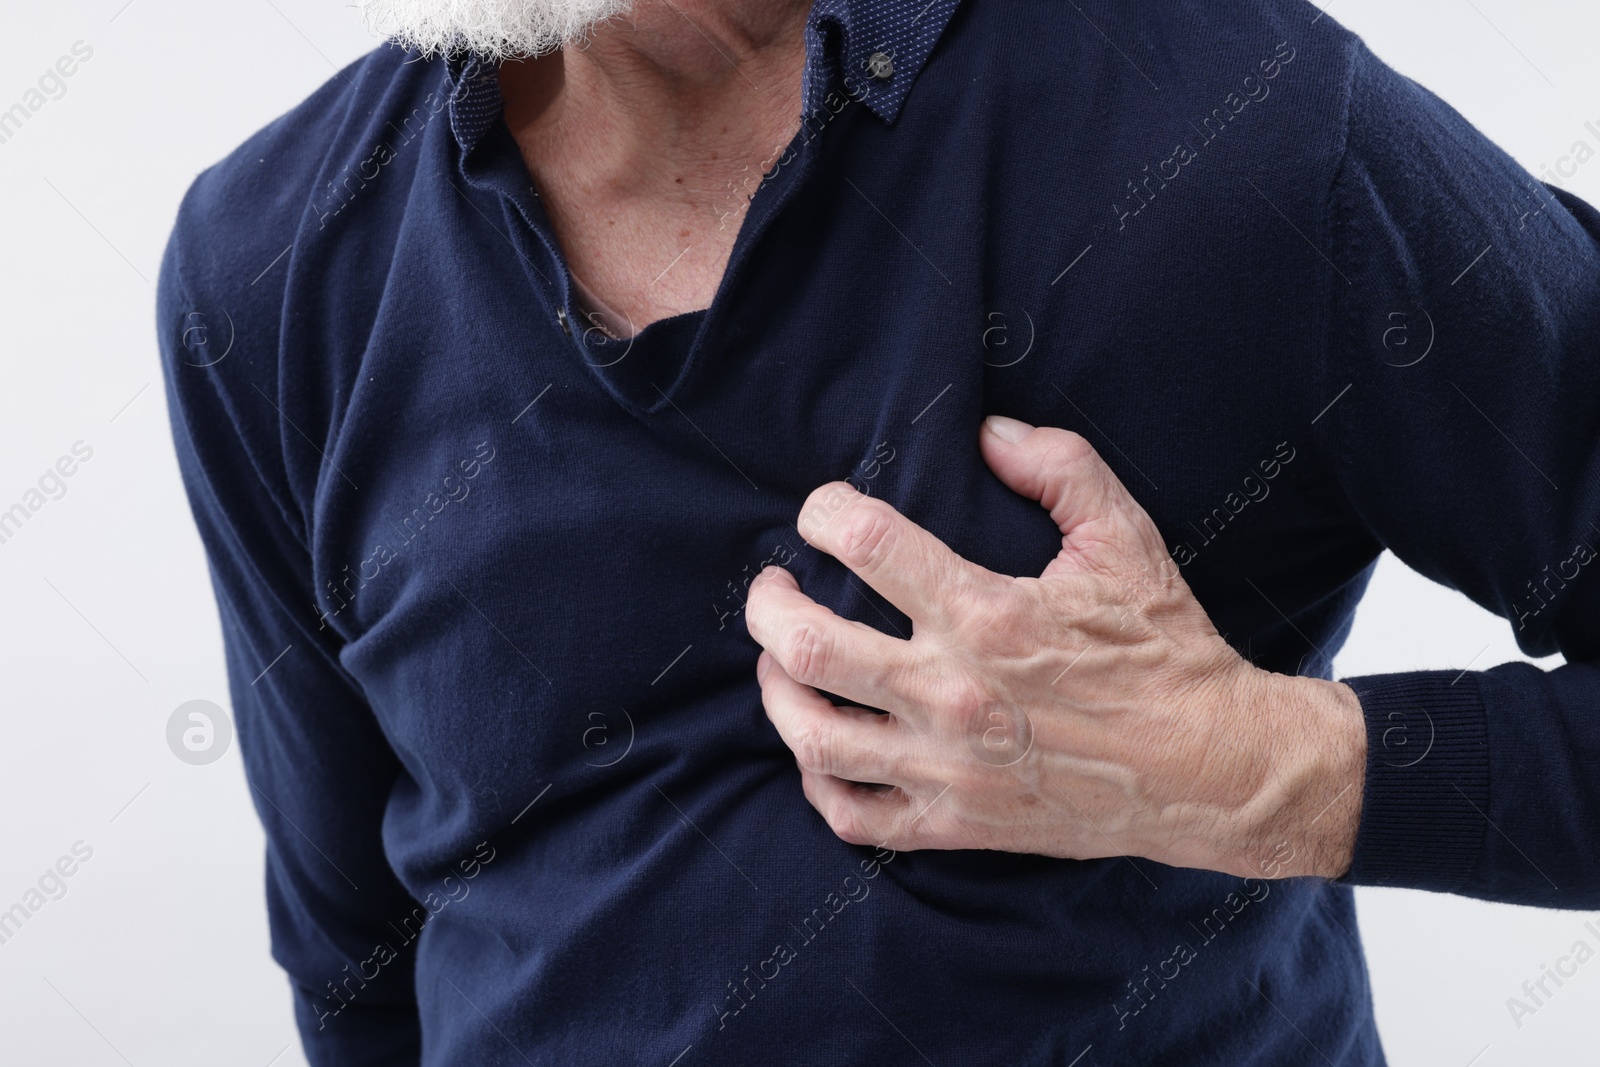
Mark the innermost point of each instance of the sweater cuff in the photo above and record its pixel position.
(1426, 797)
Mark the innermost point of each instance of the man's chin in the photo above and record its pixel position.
(498, 29)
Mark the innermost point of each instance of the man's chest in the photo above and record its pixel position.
(577, 518)
(544, 544)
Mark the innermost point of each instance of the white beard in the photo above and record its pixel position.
(498, 29)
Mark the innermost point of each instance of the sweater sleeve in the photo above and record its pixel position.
(1464, 347)
(320, 770)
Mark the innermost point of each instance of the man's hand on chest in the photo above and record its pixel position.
(1093, 711)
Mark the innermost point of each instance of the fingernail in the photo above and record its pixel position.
(1008, 430)
(763, 665)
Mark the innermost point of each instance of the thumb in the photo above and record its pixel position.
(1103, 528)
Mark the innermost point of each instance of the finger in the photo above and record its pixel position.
(857, 815)
(844, 742)
(819, 649)
(913, 569)
(1098, 517)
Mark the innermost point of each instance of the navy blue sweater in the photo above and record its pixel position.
(521, 799)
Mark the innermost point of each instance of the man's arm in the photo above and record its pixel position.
(1469, 443)
(319, 768)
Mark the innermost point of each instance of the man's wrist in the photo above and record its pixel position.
(1303, 820)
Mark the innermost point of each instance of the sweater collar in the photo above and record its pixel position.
(869, 50)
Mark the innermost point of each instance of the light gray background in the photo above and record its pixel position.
(157, 954)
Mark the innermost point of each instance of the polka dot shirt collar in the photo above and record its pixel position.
(871, 50)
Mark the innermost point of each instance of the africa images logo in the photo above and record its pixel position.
(199, 732)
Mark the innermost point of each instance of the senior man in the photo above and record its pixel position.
(1036, 384)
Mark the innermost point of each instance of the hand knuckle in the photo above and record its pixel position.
(959, 701)
(991, 617)
(1067, 444)
(806, 654)
(847, 822)
(866, 537)
(1070, 455)
(814, 748)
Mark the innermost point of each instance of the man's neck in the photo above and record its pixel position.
(647, 141)
(662, 71)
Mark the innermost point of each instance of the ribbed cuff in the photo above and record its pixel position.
(1424, 806)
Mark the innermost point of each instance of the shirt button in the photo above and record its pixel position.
(880, 66)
